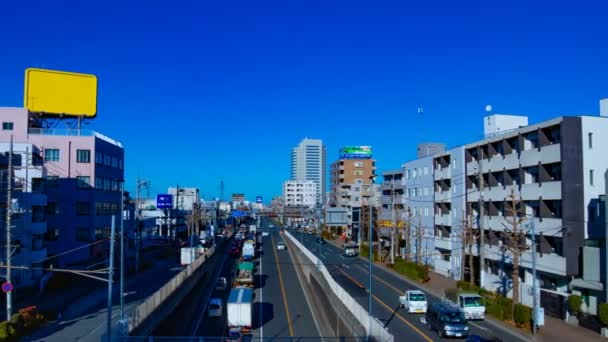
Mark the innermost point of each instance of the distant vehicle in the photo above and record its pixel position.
(221, 284)
(320, 240)
(447, 320)
(281, 246)
(472, 305)
(252, 229)
(245, 274)
(239, 312)
(264, 234)
(248, 251)
(350, 249)
(271, 226)
(414, 301)
(188, 255)
(215, 307)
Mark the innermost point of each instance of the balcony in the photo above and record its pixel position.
(38, 227)
(38, 255)
(443, 243)
(443, 173)
(547, 154)
(445, 219)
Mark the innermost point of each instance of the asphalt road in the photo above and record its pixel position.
(280, 307)
(352, 274)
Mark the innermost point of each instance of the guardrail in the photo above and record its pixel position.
(377, 330)
(152, 303)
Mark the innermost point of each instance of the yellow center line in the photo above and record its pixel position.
(425, 336)
(276, 257)
(382, 281)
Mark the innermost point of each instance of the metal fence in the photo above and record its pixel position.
(223, 339)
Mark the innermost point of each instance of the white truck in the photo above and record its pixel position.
(252, 229)
(188, 255)
(414, 301)
(239, 312)
(471, 304)
(248, 251)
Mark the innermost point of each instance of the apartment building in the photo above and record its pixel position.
(555, 172)
(300, 193)
(28, 206)
(391, 213)
(84, 175)
(308, 163)
(449, 211)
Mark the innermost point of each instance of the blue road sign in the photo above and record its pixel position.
(164, 201)
(238, 213)
(258, 199)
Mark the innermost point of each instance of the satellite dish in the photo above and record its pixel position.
(488, 108)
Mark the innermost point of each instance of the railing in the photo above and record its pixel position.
(61, 131)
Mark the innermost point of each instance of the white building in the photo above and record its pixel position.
(29, 202)
(300, 193)
(184, 198)
(308, 164)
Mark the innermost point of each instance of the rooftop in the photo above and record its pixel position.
(73, 132)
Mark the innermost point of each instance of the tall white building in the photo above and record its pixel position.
(300, 193)
(308, 164)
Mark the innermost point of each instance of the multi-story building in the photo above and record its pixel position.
(391, 203)
(185, 198)
(449, 211)
(300, 193)
(418, 201)
(28, 205)
(83, 184)
(550, 175)
(352, 186)
(308, 163)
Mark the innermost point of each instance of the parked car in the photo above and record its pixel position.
(447, 320)
(221, 284)
(281, 246)
(215, 307)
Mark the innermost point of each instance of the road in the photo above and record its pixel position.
(352, 274)
(280, 306)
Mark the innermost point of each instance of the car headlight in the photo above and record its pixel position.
(466, 328)
(448, 328)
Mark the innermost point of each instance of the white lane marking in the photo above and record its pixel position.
(346, 266)
(478, 326)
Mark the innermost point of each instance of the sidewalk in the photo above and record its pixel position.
(554, 330)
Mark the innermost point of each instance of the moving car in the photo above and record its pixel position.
(281, 246)
(320, 240)
(414, 301)
(447, 320)
(215, 307)
(265, 234)
(472, 305)
(221, 284)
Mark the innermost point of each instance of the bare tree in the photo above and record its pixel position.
(407, 234)
(419, 234)
(469, 240)
(515, 240)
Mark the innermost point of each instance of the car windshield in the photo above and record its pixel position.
(214, 306)
(417, 297)
(453, 317)
(472, 302)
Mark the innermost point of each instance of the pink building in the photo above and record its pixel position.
(84, 174)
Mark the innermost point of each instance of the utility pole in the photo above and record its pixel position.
(9, 227)
(480, 221)
(111, 278)
(122, 260)
(141, 184)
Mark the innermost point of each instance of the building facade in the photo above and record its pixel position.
(308, 163)
(85, 172)
(299, 193)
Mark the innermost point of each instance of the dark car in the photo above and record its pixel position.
(477, 338)
(447, 320)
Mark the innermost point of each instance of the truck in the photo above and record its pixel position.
(188, 255)
(471, 304)
(248, 251)
(252, 229)
(244, 276)
(414, 301)
(239, 312)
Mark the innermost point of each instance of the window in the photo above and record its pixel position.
(51, 208)
(52, 182)
(414, 173)
(115, 185)
(426, 170)
(107, 160)
(83, 209)
(120, 164)
(51, 155)
(82, 234)
(358, 172)
(52, 234)
(358, 164)
(98, 158)
(591, 177)
(7, 126)
(426, 211)
(98, 183)
(590, 140)
(407, 174)
(106, 184)
(83, 156)
(114, 162)
(84, 182)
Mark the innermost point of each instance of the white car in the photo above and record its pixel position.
(281, 246)
(265, 234)
(271, 226)
(414, 301)
(215, 307)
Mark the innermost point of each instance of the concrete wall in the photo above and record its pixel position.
(351, 312)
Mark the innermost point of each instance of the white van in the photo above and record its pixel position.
(414, 301)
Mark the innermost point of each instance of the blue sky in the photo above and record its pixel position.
(206, 91)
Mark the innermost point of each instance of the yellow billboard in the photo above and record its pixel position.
(51, 92)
